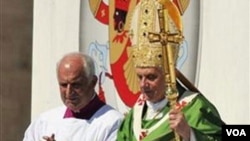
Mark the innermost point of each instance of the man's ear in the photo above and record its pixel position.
(93, 81)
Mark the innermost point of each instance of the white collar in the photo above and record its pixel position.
(157, 106)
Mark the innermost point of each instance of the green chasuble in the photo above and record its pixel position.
(200, 114)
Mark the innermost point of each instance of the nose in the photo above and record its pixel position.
(143, 82)
(68, 90)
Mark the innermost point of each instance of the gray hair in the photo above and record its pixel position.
(88, 63)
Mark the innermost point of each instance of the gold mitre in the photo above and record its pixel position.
(145, 20)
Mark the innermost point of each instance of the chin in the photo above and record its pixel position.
(72, 107)
(148, 97)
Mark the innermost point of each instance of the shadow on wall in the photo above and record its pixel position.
(15, 60)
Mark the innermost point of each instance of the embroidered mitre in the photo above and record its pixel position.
(145, 20)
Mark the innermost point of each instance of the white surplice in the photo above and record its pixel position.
(102, 126)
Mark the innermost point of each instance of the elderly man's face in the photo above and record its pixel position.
(152, 83)
(76, 89)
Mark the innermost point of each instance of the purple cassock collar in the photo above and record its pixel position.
(86, 112)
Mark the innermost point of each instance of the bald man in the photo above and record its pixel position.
(83, 117)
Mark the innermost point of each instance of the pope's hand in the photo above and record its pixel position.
(179, 124)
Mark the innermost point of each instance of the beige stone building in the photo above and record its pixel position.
(15, 67)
